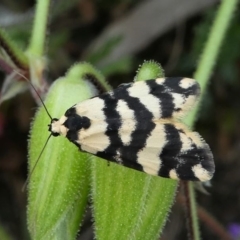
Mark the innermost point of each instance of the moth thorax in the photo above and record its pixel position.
(74, 122)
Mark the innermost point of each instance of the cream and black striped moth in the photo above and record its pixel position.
(138, 125)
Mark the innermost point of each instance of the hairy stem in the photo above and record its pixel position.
(37, 43)
(202, 74)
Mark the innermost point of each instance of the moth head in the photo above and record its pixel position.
(56, 127)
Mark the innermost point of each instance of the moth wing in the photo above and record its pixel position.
(183, 154)
(170, 150)
(135, 125)
(94, 139)
(163, 97)
(152, 99)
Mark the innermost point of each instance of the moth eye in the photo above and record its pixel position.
(55, 134)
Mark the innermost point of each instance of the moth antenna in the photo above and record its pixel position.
(35, 92)
(30, 174)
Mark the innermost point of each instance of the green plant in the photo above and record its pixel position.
(64, 178)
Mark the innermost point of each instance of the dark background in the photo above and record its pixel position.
(75, 30)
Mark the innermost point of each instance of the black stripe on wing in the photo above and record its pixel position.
(193, 163)
(170, 88)
(172, 148)
(144, 124)
(176, 96)
(113, 121)
(174, 85)
(166, 104)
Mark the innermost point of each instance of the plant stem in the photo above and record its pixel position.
(210, 53)
(202, 74)
(36, 46)
(194, 215)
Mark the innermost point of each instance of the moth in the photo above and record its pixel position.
(138, 125)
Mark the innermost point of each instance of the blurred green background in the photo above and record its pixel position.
(116, 37)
